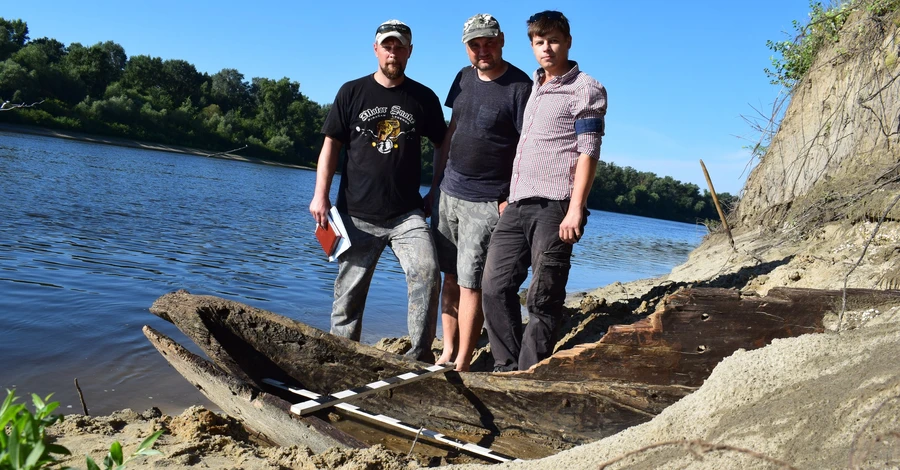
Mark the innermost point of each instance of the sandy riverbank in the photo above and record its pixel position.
(817, 401)
(118, 142)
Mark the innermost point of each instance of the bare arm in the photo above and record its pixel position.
(441, 154)
(328, 160)
(570, 230)
(440, 158)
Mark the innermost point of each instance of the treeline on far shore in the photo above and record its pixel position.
(100, 90)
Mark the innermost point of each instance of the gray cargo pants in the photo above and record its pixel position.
(410, 239)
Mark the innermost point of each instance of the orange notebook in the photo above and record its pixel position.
(327, 237)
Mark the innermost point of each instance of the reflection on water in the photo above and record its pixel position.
(93, 234)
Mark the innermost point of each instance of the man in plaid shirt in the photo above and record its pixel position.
(553, 171)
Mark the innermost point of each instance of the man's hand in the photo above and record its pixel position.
(428, 203)
(328, 160)
(572, 224)
(319, 208)
(502, 206)
(570, 228)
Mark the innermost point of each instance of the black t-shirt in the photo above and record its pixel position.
(381, 130)
(488, 123)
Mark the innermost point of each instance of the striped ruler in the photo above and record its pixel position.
(326, 401)
(397, 424)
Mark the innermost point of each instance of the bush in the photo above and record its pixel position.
(798, 54)
(281, 144)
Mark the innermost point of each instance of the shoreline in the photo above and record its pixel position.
(132, 143)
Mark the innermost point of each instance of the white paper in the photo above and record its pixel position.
(334, 218)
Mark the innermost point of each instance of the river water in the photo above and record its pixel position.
(91, 235)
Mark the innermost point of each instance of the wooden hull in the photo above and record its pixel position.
(262, 413)
(584, 394)
(253, 344)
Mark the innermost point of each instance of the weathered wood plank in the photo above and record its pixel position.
(694, 329)
(259, 411)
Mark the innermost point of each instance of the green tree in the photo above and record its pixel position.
(16, 84)
(273, 99)
(13, 35)
(96, 67)
(143, 73)
(181, 80)
(228, 89)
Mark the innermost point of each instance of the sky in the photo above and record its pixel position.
(681, 77)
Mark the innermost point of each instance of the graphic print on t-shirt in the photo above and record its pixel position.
(387, 123)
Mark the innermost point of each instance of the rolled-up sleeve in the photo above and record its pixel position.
(589, 108)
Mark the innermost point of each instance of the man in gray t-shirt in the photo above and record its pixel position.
(488, 100)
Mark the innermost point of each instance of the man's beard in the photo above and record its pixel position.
(484, 67)
(393, 70)
(491, 64)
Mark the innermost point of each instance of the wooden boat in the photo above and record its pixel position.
(578, 395)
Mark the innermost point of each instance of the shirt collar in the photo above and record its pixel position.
(573, 71)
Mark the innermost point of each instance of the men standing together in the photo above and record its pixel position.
(533, 144)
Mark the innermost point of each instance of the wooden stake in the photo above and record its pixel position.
(715, 199)
(81, 397)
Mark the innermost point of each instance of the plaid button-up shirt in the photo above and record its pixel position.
(564, 118)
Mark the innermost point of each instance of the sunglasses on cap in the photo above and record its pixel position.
(390, 28)
(549, 15)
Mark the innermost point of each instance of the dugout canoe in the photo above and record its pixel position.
(263, 414)
(578, 395)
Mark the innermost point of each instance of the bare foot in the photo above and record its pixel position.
(445, 358)
(462, 367)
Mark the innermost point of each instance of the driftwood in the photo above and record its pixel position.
(575, 396)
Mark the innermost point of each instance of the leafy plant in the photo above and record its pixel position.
(23, 438)
(881, 7)
(23, 434)
(798, 54)
(114, 459)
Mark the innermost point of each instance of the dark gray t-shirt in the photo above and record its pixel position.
(488, 124)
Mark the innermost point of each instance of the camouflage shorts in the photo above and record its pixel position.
(462, 231)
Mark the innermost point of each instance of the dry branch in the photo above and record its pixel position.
(7, 106)
(226, 152)
(698, 447)
(853, 446)
(81, 397)
(861, 256)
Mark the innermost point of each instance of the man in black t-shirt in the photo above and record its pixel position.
(380, 119)
(488, 100)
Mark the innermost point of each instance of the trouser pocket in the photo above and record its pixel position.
(548, 293)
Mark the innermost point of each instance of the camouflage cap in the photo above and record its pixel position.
(481, 25)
